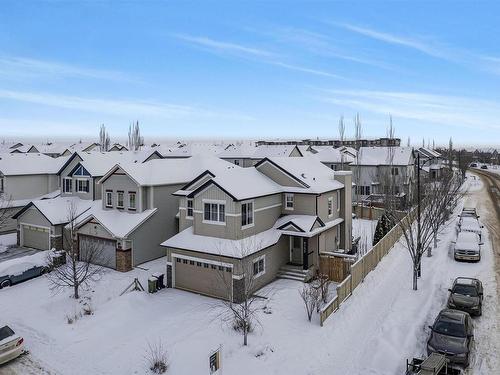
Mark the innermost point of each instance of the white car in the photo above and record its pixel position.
(467, 246)
(470, 224)
(11, 345)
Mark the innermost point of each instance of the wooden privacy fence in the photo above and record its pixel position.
(363, 266)
(336, 266)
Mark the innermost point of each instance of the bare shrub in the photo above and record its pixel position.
(311, 297)
(157, 357)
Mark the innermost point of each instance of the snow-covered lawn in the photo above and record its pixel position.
(7, 240)
(375, 330)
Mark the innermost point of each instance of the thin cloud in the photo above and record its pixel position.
(428, 108)
(13, 66)
(130, 108)
(249, 53)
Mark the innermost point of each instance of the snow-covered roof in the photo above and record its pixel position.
(221, 246)
(266, 151)
(306, 224)
(428, 152)
(30, 164)
(314, 175)
(242, 183)
(99, 163)
(56, 210)
(172, 171)
(333, 155)
(118, 223)
(241, 248)
(401, 156)
(244, 151)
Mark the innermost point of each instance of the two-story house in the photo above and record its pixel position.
(138, 210)
(381, 171)
(40, 224)
(24, 177)
(431, 163)
(283, 211)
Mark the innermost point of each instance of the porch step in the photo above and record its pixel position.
(292, 273)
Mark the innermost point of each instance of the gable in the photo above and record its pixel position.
(80, 171)
(290, 227)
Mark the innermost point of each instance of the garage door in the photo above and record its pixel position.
(36, 237)
(100, 250)
(201, 277)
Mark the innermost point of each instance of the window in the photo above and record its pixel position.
(259, 266)
(198, 264)
(228, 269)
(131, 200)
(394, 171)
(67, 185)
(189, 212)
(109, 198)
(205, 265)
(363, 190)
(330, 206)
(221, 268)
(214, 212)
(213, 267)
(338, 200)
(82, 186)
(1, 184)
(236, 162)
(191, 262)
(119, 201)
(185, 261)
(178, 260)
(288, 201)
(247, 214)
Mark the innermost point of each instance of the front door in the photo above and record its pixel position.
(296, 250)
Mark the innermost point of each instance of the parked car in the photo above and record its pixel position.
(452, 334)
(11, 344)
(466, 294)
(473, 165)
(16, 274)
(470, 224)
(467, 246)
(484, 166)
(435, 364)
(469, 212)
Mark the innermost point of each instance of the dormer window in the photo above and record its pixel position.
(289, 201)
(67, 185)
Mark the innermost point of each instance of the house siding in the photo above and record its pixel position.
(303, 204)
(29, 186)
(277, 175)
(124, 183)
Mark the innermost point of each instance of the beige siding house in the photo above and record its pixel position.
(251, 225)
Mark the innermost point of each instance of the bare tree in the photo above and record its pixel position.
(310, 294)
(450, 154)
(241, 307)
(81, 268)
(342, 139)
(408, 142)
(464, 160)
(322, 283)
(5, 210)
(135, 140)
(104, 141)
(434, 202)
(357, 135)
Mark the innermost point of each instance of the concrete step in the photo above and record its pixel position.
(290, 277)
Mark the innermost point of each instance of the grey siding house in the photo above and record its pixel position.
(138, 210)
(249, 225)
(24, 177)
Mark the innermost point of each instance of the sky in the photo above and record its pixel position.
(251, 69)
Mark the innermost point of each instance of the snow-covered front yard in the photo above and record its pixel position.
(375, 330)
(7, 240)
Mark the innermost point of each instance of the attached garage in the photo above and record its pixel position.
(36, 237)
(105, 250)
(202, 276)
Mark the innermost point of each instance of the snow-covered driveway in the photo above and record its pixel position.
(375, 330)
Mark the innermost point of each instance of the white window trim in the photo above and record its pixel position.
(338, 200)
(253, 213)
(64, 185)
(110, 193)
(187, 208)
(135, 200)
(218, 202)
(329, 206)
(262, 257)
(293, 201)
(78, 187)
(118, 200)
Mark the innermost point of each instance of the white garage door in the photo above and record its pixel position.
(202, 277)
(99, 250)
(35, 237)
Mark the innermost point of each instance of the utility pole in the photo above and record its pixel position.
(418, 213)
